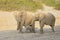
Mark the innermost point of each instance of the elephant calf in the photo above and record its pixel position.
(46, 19)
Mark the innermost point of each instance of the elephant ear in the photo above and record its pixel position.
(42, 16)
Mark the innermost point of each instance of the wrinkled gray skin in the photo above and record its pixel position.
(25, 19)
(46, 19)
(43, 18)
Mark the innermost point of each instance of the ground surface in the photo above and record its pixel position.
(14, 35)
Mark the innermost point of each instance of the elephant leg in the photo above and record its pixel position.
(21, 27)
(22, 24)
(18, 25)
(52, 27)
(41, 27)
(29, 28)
(32, 27)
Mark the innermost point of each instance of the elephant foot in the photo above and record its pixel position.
(41, 32)
(18, 28)
(53, 31)
(20, 32)
(32, 30)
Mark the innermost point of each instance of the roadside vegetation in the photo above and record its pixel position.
(31, 5)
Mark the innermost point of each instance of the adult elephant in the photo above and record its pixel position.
(25, 19)
(45, 19)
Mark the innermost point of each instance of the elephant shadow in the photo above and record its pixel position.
(48, 30)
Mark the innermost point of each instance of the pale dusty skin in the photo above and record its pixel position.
(29, 18)
(25, 19)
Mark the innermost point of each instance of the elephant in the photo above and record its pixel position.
(45, 19)
(28, 19)
(25, 19)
